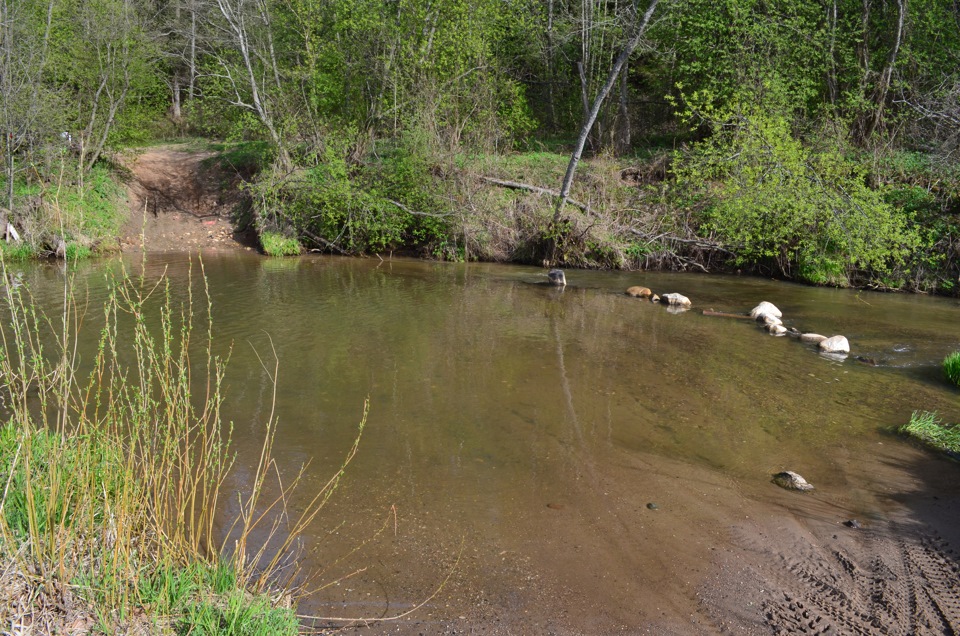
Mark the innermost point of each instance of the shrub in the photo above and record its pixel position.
(801, 203)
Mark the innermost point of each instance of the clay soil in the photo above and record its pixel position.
(182, 201)
(758, 561)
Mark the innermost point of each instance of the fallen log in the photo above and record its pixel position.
(513, 185)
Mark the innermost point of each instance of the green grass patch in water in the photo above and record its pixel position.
(951, 366)
(929, 429)
(276, 244)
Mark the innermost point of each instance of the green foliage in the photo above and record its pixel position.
(246, 157)
(771, 196)
(929, 429)
(951, 367)
(276, 244)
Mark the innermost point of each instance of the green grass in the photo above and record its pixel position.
(951, 366)
(276, 244)
(929, 429)
(85, 212)
(17, 251)
(112, 479)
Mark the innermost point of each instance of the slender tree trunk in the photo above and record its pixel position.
(621, 60)
(832, 92)
(623, 114)
(551, 69)
(192, 57)
(175, 105)
(886, 77)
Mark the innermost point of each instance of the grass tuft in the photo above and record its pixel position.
(112, 480)
(951, 366)
(929, 429)
(276, 244)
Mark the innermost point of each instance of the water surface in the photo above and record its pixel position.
(517, 431)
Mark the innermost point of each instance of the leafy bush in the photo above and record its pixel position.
(771, 196)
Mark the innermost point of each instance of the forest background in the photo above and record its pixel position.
(813, 141)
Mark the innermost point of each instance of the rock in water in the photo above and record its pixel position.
(836, 344)
(769, 319)
(765, 308)
(676, 299)
(792, 481)
(812, 338)
(557, 277)
(776, 330)
(639, 292)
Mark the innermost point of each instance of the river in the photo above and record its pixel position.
(558, 460)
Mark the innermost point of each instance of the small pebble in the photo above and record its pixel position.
(853, 523)
(652, 506)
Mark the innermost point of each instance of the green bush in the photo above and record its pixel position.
(951, 366)
(802, 204)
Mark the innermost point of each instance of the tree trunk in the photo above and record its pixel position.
(621, 60)
(886, 77)
(622, 130)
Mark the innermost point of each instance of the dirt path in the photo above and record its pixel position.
(179, 201)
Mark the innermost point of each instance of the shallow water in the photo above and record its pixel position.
(505, 415)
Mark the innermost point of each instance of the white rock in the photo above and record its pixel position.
(765, 308)
(676, 299)
(812, 338)
(791, 481)
(776, 330)
(836, 344)
(769, 319)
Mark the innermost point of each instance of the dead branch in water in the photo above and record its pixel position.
(723, 314)
(696, 242)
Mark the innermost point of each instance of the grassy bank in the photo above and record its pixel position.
(113, 480)
(833, 216)
(77, 215)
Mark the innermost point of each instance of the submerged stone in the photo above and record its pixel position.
(678, 300)
(835, 344)
(792, 481)
(765, 308)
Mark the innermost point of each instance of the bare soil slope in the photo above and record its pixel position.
(181, 201)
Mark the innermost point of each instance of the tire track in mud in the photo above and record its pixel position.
(883, 585)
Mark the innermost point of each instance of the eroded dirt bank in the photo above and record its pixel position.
(182, 201)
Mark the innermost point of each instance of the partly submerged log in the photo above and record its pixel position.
(723, 314)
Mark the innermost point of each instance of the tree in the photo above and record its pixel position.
(25, 103)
